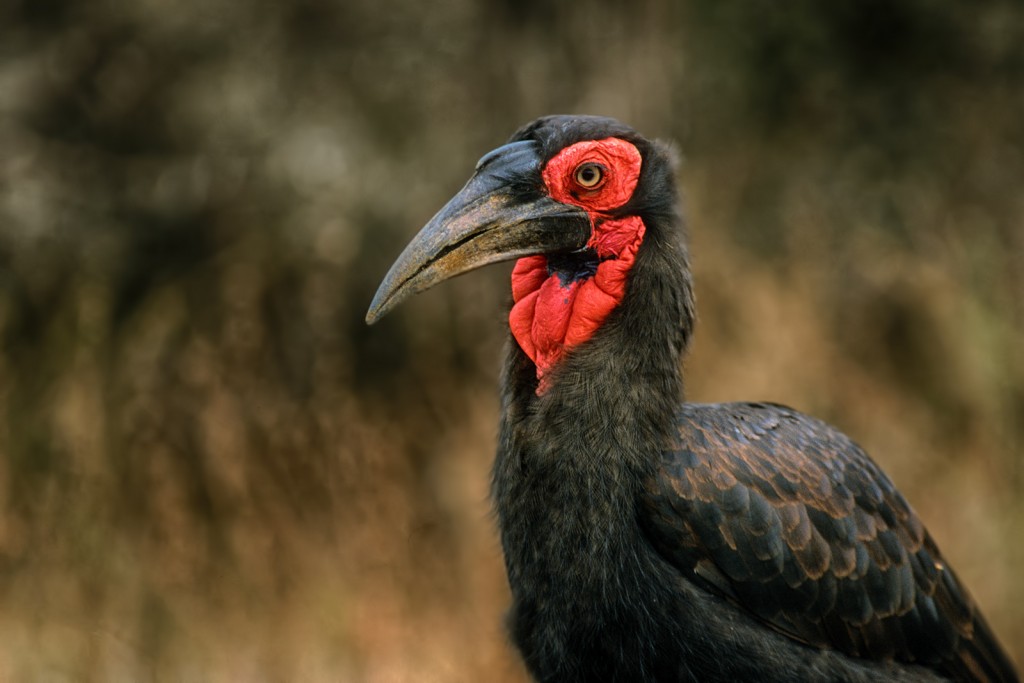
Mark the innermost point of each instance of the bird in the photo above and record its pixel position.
(646, 538)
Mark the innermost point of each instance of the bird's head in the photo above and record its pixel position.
(572, 198)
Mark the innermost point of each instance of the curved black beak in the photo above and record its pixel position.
(499, 215)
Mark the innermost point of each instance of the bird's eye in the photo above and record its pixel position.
(589, 175)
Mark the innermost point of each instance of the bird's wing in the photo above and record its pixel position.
(791, 520)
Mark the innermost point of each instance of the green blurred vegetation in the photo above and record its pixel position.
(212, 470)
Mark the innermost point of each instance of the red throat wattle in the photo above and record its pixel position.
(560, 301)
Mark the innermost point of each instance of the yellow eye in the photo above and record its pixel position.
(589, 175)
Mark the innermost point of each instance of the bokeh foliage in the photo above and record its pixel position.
(213, 470)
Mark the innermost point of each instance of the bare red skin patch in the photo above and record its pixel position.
(555, 311)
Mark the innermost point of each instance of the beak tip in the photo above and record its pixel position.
(378, 309)
(388, 297)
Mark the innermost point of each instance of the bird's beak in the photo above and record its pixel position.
(499, 215)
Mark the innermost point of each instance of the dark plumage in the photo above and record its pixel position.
(647, 539)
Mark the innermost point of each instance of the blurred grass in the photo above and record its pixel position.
(212, 470)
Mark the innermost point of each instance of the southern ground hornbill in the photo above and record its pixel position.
(649, 539)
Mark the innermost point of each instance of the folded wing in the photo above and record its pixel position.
(792, 521)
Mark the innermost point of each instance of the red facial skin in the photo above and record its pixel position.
(554, 312)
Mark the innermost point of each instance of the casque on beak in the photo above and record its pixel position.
(501, 214)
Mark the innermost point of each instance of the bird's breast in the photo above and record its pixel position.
(574, 551)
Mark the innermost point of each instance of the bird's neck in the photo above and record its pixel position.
(623, 384)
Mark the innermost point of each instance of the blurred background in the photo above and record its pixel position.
(212, 470)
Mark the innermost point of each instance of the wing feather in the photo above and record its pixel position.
(788, 518)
